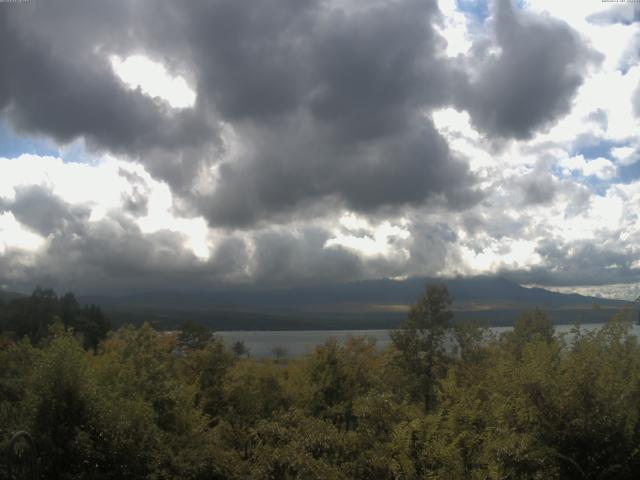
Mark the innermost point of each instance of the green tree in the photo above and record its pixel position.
(280, 353)
(335, 376)
(62, 402)
(421, 341)
(207, 369)
(17, 363)
(194, 336)
(150, 421)
(32, 316)
(240, 349)
(531, 326)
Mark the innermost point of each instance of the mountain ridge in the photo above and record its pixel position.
(358, 305)
(463, 291)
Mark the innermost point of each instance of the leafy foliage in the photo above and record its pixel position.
(441, 402)
(33, 316)
(421, 341)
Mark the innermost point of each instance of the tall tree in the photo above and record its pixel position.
(420, 341)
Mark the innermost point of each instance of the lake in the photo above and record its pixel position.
(300, 342)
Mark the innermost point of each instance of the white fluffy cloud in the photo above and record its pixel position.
(137, 71)
(601, 168)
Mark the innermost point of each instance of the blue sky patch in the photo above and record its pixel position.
(629, 173)
(476, 11)
(626, 173)
(76, 152)
(598, 185)
(595, 148)
(13, 145)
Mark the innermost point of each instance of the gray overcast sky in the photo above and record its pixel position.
(208, 144)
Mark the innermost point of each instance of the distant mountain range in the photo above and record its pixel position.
(6, 296)
(358, 305)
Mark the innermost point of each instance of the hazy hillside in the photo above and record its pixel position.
(5, 296)
(370, 304)
(465, 291)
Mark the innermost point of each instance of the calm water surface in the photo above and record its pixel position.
(296, 343)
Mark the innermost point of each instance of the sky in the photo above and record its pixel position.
(163, 145)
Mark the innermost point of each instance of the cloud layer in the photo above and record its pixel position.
(323, 144)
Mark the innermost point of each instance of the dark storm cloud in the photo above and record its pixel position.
(540, 188)
(109, 254)
(431, 242)
(583, 262)
(329, 102)
(47, 90)
(345, 124)
(282, 256)
(284, 173)
(14, 269)
(39, 209)
(113, 254)
(372, 70)
(531, 81)
(329, 108)
(57, 80)
(249, 56)
(117, 247)
(136, 200)
(537, 188)
(83, 254)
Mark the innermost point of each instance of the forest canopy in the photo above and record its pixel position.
(441, 402)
